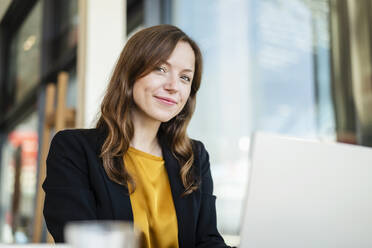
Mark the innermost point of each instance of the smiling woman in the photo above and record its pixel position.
(138, 164)
(163, 93)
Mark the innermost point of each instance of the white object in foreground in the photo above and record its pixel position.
(308, 194)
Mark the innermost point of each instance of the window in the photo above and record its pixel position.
(18, 181)
(266, 67)
(25, 55)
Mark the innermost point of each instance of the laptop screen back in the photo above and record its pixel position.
(307, 194)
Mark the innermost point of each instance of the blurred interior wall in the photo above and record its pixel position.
(351, 32)
(102, 34)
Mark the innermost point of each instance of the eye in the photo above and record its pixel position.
(161, 69)
(186, 78)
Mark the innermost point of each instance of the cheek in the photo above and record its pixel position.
(136, 94)
(186, 94)
(185, 98)
(139, 92)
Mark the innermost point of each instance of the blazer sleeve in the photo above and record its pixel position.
(207, 235)
(67, 193)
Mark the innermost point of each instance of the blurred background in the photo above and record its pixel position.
(295, 67)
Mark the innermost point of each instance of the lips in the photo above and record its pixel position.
(166, 100)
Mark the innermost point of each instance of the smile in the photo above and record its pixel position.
(166, 100)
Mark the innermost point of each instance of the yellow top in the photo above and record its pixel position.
(152, 203)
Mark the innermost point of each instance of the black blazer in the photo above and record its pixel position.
(78, 188)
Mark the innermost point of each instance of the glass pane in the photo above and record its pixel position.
(18, 182)
(135, 15)
(326, 120)
(68, 27)
(266, 68)
(25, 54)
(283, 76)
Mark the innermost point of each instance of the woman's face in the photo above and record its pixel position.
(162, 94)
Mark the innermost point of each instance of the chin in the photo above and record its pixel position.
(163, 117)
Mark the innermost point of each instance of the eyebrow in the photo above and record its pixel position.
(184, 70)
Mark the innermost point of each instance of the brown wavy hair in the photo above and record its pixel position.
(143, 52)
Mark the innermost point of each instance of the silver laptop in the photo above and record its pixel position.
(307, 194)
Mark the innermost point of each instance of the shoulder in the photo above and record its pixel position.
(72, 150)
(76, 134)
(71, 159)
(202, 166)
(198, 147)
(201, 156)
(72, 139)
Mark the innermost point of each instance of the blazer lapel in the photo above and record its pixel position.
(121, 206)
(183, 204)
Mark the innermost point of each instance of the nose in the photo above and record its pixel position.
(171, 83)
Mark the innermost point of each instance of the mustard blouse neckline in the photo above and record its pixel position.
(144, 154)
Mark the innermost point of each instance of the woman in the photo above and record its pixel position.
(138, 164)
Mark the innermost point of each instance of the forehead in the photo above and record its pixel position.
(183, 56)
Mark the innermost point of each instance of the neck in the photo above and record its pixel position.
(145, 133)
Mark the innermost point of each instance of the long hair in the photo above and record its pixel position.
(143, 52)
